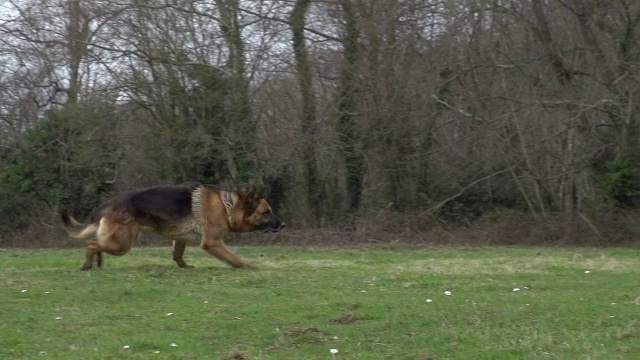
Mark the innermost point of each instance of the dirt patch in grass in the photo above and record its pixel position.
(302, 331)
(425, 357)
(236, 355)
(345, 319)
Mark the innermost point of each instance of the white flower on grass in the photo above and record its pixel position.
(587, 271)
(59, 318)
(333, 351)
(157, 352)
(24, 291)
(126, 347)
(43, 352)
(169, 314)
(447, 292)
(429, 300)
(516, 289)
(173, 344)
(47, 292)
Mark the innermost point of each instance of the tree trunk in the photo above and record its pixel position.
(78, 31)
(243, 157)
(315, 190)
(351, 151)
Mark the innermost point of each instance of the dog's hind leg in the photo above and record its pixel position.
(178, 253)
(116, 240)
(91, 250)
(119, 241)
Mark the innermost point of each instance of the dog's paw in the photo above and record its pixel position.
(183, 264)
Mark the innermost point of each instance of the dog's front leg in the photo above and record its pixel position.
(178, 253)
(217, 248)
(99, 258)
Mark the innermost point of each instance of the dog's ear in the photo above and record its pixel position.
(252, 200)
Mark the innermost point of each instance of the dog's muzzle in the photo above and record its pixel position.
(273, 227)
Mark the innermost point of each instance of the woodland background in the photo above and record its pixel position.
(382, 115)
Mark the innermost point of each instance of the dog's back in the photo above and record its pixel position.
(149, 207)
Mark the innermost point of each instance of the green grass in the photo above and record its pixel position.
(286, 308)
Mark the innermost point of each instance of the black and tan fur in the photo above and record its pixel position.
(184, 213)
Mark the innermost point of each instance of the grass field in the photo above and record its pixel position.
(367, 302)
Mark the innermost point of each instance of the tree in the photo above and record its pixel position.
(350, 145)
(315, 192)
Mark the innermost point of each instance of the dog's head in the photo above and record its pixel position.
(253, 213)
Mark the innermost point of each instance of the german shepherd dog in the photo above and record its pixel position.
(184, 213)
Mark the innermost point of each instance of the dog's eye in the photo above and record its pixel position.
(266, 212)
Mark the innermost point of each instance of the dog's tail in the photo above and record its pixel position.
(77, 230)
